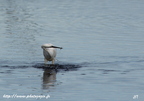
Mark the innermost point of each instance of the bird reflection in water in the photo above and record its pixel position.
(49, 78)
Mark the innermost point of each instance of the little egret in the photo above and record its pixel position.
(49, 52)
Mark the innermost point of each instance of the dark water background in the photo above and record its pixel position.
(103, 55)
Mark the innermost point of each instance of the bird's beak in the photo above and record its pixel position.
(51, 47)
(56, 47)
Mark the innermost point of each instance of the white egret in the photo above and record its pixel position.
(49, 52)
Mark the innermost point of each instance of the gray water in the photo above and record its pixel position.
(102, 57)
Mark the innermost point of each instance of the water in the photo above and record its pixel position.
(102, 57)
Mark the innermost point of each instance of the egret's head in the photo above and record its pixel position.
(49, 45)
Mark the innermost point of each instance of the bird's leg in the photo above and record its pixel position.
(53, 61)
(45, 60)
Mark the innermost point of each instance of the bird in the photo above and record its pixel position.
(49, 52)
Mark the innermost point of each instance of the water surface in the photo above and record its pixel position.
(102, 57)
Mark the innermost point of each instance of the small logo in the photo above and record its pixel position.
(135, 97)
